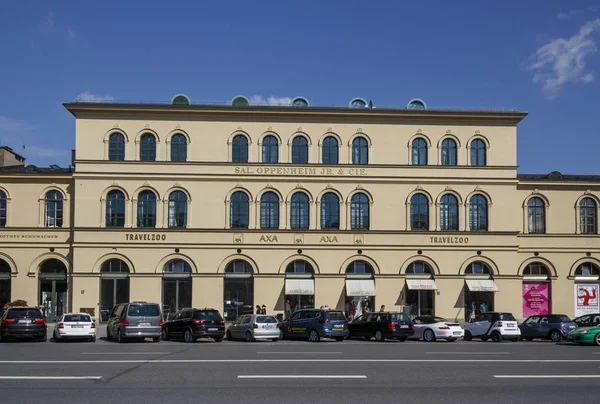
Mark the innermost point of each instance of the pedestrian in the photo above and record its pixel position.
(352, 310)
(264, 309)
(382, 309)
(326, 307)
(365, 308)
(258, 309)
(482, 307)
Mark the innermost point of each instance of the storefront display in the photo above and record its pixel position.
(536, 298)
(586, 299)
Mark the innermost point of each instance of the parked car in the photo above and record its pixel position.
(585, 335)
(138, 320)
(381, 326)
(587, 320)
(315, 324)
(75, 326)
(191, 324)
(554, 327)
(23, 322)
(254, 326)
(494, 326)
(430, 328)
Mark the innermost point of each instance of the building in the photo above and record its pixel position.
(230, 207)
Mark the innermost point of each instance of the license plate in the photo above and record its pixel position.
(403, 326)
(76, 326)
(571, 326)
(457, 332)
(268, 326)
(24, 321)
(144, 324)
(213, 329)
(338, 328)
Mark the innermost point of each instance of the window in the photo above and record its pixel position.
(330, 211)
(146, 209)
(115, 209)
(147, 147)
(330, 150)
(239, 149)
(359, 268)
(536, 268)
(114, 266)
(270, 150)
(478, 215)
(360, 151)
(587, 269)
(269, 211)
(116, 147)
(3, 203)
(419, 152)
(300, 150)
(177, 267)
(478, 157)
(299, 267)
(419, 267)
(587, 216)
(448, 152)
(238, 267)
(449, 213)
(178, 209)
(54, 209)
(419, 212)
(300, 214)
(478, 268)
(359, 212)
(178, 148)
(240, 211)
(536, 219)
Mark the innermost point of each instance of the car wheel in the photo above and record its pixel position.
(108, 336)
(468, 336)
(155, 339)
(164, 334)
(313, 336)
(218, 339)
(555, 336)
(379, 337)
(43, 339)
(597, 339)
(249, 337)
(450, 339)
(188, 337)
(230, 338)
(484, 339)
(429, 335)
(496, 337)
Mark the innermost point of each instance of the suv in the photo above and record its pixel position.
(134, 320)
(191, 324)
(494, 326)
(315, 324)
(23, 322)
(553, 327)
(382, 325)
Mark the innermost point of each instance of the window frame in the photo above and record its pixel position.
(54, 204)
(360, 212)
(239, 210)
(536, 215)
(449, 152)
(328, 150)
(300, 150)
(269, 210)
(588, 216)
(116, 147)
(449, 220)
(115, 215)
(419, 152)
(329, 210)
(3, 208)
(360, 151)
(179, 148)
(299, 211)
(414, 215)
(270, 149)
(148, 147)
(145, 204)
(478, 213)
(239, 149)
(478, 153)
(177, 212)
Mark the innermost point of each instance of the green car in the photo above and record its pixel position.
(585, 335)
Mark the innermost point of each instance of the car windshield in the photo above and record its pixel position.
(207, 315)
(143, 310)
(20, 313)
(336, 315)
(266, 319)
(507, 317)
(77, 317)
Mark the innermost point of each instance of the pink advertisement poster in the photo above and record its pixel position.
(535, 298)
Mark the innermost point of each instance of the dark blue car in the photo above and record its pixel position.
(548, 326)
(314, 324)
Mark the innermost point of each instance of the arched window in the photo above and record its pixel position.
(240, 211)
(419, 212)
(300, 214)
(536, 269)
(116, 147)
(478, 157)
(115, 266)
(115, 209)
(588, 216)
(178, 209)
(449, 212)
(300, 150)
(299, 267)
(238, 267)
(270, 149)
(587, 269)
(478, 268)
(147, 147)
(146, 209)
(359, 267)
(360, 151)
(419, 152)
(330, 150)
(177, 267)
(536, 215)
(3, 208)
(448, 152)
(419, 267)
(239, 149)
(478, 213)
(53, 288)
(359, 212)
(178, 148)
(54, 209)
(330, 211)
(269, 211)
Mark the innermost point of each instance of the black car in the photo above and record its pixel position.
(23, 322)
(588, 320)
(381, 326)
(191, 324)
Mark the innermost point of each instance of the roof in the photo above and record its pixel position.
(31, 169)
(556, 176)
(18, 156)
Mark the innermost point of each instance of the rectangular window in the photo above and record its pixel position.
(177, 214)
(300, 215)
(536, 220)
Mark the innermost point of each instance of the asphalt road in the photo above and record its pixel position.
(298, 371)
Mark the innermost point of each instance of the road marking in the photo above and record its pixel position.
(547, 376)
(299, 353)
(302, 377)
(50, 377)
(79, 362)
(125, 353)
(466, 353)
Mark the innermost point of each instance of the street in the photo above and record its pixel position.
(326, 372)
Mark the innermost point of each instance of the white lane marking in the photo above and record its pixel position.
(50, 377)
(125, 353)
(299, 353)
(302, 377)
(547, 376)
(79, 362)
(466, 353)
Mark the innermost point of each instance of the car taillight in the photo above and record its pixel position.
(277, 325)
(125, 323)
(412, 325)
(254, 325)
(222, 322)
(391, 326)
(444, 328)
(61, 325)
(93, 325)
(39, 321)
(199, 322)
(160, 323)
(564, 327)
(8, 321)
(499, 323)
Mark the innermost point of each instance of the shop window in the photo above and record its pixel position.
(53, 209)
(52, 288)
(114, 285)
(330, 150)
(300, 214)
(419, 212)
(300, 150)
(330, 211)
(360, 151)
(239, 149)
(419, 152)
(449, 213)
(270, 149)
(448, 152)
(536, 215)
(478, 213)
(269, 211)
(238, 290)
(146, 209)
(147, 147)
(478, 153)
(240, 211)
(588, 216)
(178, 148)
(176, 286)
(5, 283)
(359, 212)
(116, 147)
(115, 209)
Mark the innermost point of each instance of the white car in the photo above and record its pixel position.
(430, 328)
(494, 326)
(75, 326)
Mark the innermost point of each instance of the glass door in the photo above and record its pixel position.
(177, 294)
(53, 298)
(112, 292)
(420, 302)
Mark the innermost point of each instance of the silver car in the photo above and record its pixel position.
(251, 327)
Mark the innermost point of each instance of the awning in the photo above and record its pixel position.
(481, 285)
(300, 287)
(360, 287)
(421, 284)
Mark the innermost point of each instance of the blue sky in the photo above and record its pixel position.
(535, 56)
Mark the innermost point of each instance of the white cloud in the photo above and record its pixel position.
(48, 26)
(274, 101)
(562, 61)
(35, 151)
(89, 97)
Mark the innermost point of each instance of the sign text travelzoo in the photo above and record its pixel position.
(145, 237)
(449, 240)
(301, 171)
